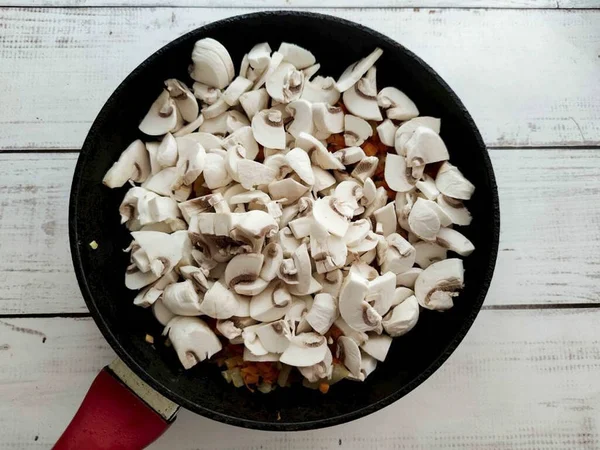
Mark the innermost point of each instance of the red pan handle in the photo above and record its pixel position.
(112, 417)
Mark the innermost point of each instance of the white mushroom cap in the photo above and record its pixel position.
(425, 147)
(273, 257)
(253, 227)
(219, 302)
(306, 349)
(197, 276)
(452, 183)
(166, 153)
(357, 336)
(331, 282)
(136, 279)
(232, 94)
(406, 130)
(361, 99)
(454, 241)
(367, 244)
(377, 346)
(397, 104)
(206, 140)
(402, 293)
(321, 90)
(161, 117)
(350, 155)
(191, 159)
(275, 336)
(206, 94)
(254, 101)
(428, 253)
(182, 299)
(296, 55)
(212, 64)
(272, 303)
(318, 152)
(366, 168)
(279, 163)
(357, 313)
(301, 111)
(163, 250)
(252, 341)
(356, 130)
(397, 175)
(299, 161)
(275, 61)
(320, 371)
(285, 83)
(192, 339)
(349, 192)
(423, 220)
(381, 292)
(386, 216)
(313, 287)
(349, 353)
(253, 174)
(243, 268)
(242, 136)
(386, 131)
(184, 99)
(357, 231)
(330, 214)
(355, 71)
(327, 118)
(267, 126)
(400, 255)
(215, 171)
(437, 285)
(369, 192)
(407, 279)
(133, 164)
(402, 318)
(161, 312)
(260, 56)
(323, 179)
(147, 296)
(455, 209)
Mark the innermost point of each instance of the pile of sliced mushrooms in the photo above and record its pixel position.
(265, 227)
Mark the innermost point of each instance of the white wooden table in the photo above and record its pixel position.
(528, 374)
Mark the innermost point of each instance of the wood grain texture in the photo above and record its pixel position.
(520, 380)
(549, 244)
(529, 77)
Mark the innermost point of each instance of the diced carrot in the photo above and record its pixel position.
(324, 388)
(335, 332)
(370, 149)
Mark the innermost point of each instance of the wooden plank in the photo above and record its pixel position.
(289, 4)
(529, 77)
(520, 380)
(548, 251)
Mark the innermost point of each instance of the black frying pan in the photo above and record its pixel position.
(93, 216)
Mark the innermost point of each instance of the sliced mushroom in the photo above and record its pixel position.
(454, 241)
(161, 312)
(274, 62)
(400, 255)
(357, 336)
(260, 56)
(452, 183)
(369, 192)
(455, 209)
(184, 99)
(161, 117)
(273, 257)
(357, 232)
(166, 153)
(310, 71)
(386, 216)
(219, 302)
(377, 346)
(320, 371)
(299, 161)
(361, 99)
(287, 190)
(381, 292)
(331, 282)
(321, 90)
(192, 339)
(253, 227)
(161, 248)
(402, 318)
(350, 155)
(397, 104)
(323, 179)
(397, 175)
(212, 64)
(356, 131)
(327, 118)
(285, 83)
(437, 285)
(267, 126)
(365, 245)
(182, 299)
(191, 160)
(425, 147)
(244, 137)
(288, 242)
(215, 171)
(328, 251)
(357, 312)
(386, 131)
(252, 341)
(147, 297)
(296, 55)
(133, 164)
(197, 276)
(349, 353)
(206, 94)
(301, 111)
(355, 71)
(263, 306)
(234, 91)
(253, 174)
(254, 101)
(242, 269)
(306, 349)
(331, 214)
(407, 279)
(423, 220)
(206, 140)
(275, 336)
(428, 253)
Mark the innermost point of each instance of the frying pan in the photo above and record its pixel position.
(93, 216)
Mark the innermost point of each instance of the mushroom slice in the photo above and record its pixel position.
(386, 216)
(243, 268)
(273, 257)
(406, 130)
(275, 61)
(331, 282)
(323, 313)
(253, 227)
(313, 287)
(423, 220)
(161, 248)
(129, 206)
(147, 297)
(357, 312)
(287, 190)
(397, 104)
(296, 55)
(136, 279)
(328, 119)
(328, 251)
(437, 285)
(166, 153)
(234, 91)
(301, 227)
(254, 101)
(428, 253)
(161, 117)
(182, 299)
(215, 171)
(242, 136)
(192, 339)
(350, 155)
(285, 83)
(361, 99)
(250, 288)
(184, 99)
(251, 357)
(381, 292)
(357, 231)
(228, 329)
(301, 111)
(298, 272)
(191, 159)
(212, 64)
(133, 164)
(377, 346)
(401, 294)
(299, 161)
(367, 244)
(321, 90)
(236, 120)
(386, 131)
(202, 204)
(306, 349)
(427, 186)
(288, 242)
(267, 126)
(397, 175)
(355, 71)
(275, 336)
(402, 318)
(197, 276)
(260, 56)
(234, 154)
(365, 168)
(380, 200)
(252, 341)
(332, 215)
(219, 302)
(323, 179)
(253, 174)
(249, 197)
(279, 163)
(452, 183)
(309, 72)
(425, 147)
(356, 131)
(206, 140)
(400, 255)
(357, 336)
(320, 371)
(454, 241)
(161, 312)
(349, 192)
(407, 279)
(263, 306)
(206, 94)
(455, 209)
(369, 192)
(349, 353)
